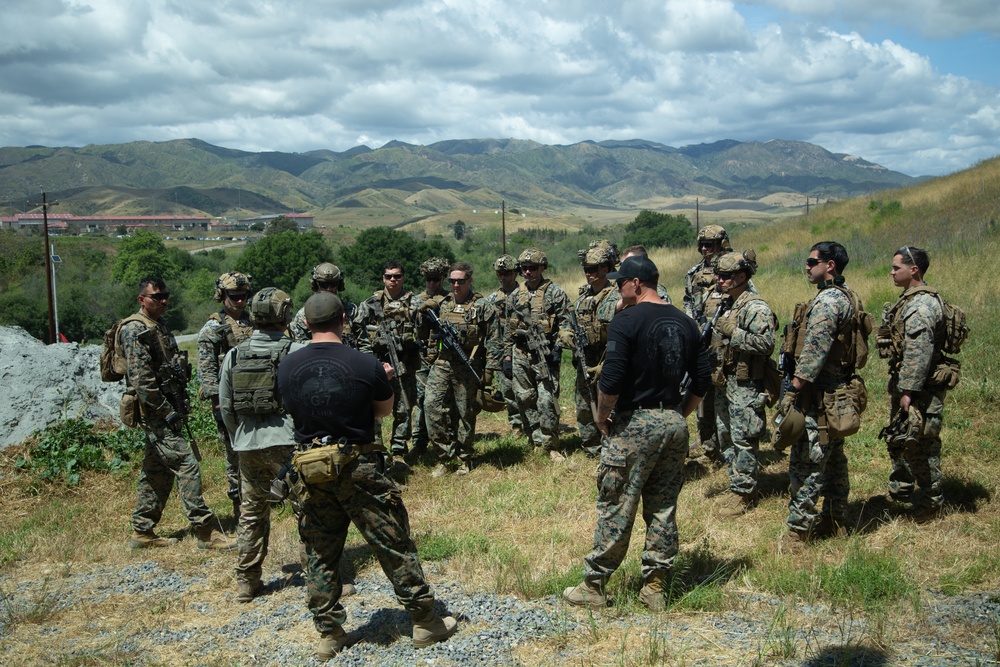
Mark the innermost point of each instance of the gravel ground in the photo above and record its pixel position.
(276, 629)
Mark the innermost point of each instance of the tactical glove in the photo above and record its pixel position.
(788, 402)
(566, 339)
(487, 377)
(726, 326)
(174, 420)
(429, 304)
(508, 369)
(594, 372)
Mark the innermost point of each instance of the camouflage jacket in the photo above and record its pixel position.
(428, 351)
(478, 330)
(914, 324)
(546, 305)
(752, 342)
(299, 332)
(827, 316)
(220, 334)
(699, 283)
(498, 300)
(400, 315)
(140, 369)
(594, 311)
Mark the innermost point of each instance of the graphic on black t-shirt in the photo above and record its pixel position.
(665, 339)
(318, 382)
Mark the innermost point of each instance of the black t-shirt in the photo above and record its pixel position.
(650, 349)
(328, 389)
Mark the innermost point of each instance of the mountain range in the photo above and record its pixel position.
(192, 177)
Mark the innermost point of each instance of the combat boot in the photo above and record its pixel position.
(653, 591)
(247, 589)
(590, 593)
(210, 538)
(147, 539)
(794, 541)
(330, 643)
(827, 526)
(429, 628)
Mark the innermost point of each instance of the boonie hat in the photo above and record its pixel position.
(637, 266)
(323, 307)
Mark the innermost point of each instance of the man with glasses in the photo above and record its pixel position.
(325, 277)
(433, 271)
(536, 313)
(593, 310)
(392, 311)
(700, 301)
(451, 385)
(147, 344)
(652, 346)
(823, 341)
(222, 332)
(505, 267)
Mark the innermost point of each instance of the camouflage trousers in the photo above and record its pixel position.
(507, 391)
(590, 437)
(421, 434)
(537, 400)
(739, 421)
(707, 425)
(168, 456)
(451, 390)
(919, 463)
(257, 468)
(642, 459)
(232, 460)
(364, 494)
(402, 416)
(816, 469)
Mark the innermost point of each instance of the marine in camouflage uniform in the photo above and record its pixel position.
(395, 308)
(325, 277)
(700, 302)
(222, 332)
(335, 392)
(433, 271)
(451, 384)
(651, 346)
(594, 308)
(505, 267)
(824, 361)
(168, 454)
(540, 306)
(743, 340)
(261, 432)
(912, 338)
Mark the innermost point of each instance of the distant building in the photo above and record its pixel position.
(105, 223)
(303, 220)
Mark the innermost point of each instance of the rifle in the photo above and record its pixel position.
(538, 345)
(172, 373)
(448, 335)
(580, 338)
(705, 339)
(786, 362)
(390, 339)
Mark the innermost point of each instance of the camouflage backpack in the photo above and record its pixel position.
(112, 361)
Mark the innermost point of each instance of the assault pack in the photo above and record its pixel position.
(112, 361)
(255, 379)
(950, 335)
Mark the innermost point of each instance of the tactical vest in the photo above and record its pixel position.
(949, 332)
(849, 351)
(396, 313)
(169, 342)
(536, 301)
(745, 365)
(255, 379)
(466, 318)
(586, 315)
(229, 333)
(702, 285)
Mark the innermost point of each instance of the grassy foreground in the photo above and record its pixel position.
(520, 524)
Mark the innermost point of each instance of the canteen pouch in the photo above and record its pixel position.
(842, 408)
(128, 409)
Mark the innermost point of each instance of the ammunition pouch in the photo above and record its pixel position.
(843, 406)
(128, 409)
(883, 341)
(322, 464)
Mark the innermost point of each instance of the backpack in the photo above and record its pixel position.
(956, 331)
(112, 362)
(255, 379)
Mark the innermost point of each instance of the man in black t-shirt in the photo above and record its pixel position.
(653, 351)
(333, 391)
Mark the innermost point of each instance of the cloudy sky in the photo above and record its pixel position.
(910, 84)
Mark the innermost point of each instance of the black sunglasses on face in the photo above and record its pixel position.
(458, 281)
(725, 275)
(530, 267)
(392, 276)
(590, 269)
(812, 261)
(157, 296)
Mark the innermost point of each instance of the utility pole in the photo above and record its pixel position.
(49, 270)
(503, 226)
(697, 215)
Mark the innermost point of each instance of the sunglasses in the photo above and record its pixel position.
(157, 296)
(590, 269)
(504, 272)
(237, 296)
(530, 267)
(392, 276)
(432, 279)
(813, 261)
(909, 254)
(621, 282)
(458, 281)
(725, 275)
(707, 244)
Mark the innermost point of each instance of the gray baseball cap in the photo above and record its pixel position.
(323, 307)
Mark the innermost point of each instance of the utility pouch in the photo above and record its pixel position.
(323, 464)
(842, 411)
(947, 373)
(128, 409)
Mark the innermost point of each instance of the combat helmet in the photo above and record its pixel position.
(505, 263)
(788, 428)
(733, 262)
(532, 256)
(435, 266)
(489, 402)
(270, 306)
(231, 282)
(327, 273)
(715, 233)
(600, 252)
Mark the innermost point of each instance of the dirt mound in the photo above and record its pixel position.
(41, 384)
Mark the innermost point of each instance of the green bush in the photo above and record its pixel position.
(65, 449)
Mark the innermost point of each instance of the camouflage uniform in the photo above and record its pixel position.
(817, 464)
(428, 353)
(915, 351)
(739, 374)
(498, 301)
(220, 334)
(537, 396)
(400, 316)
(700, 302)
(593, 313)
(451, 386)
(168, 454)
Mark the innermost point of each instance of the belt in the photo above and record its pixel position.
(655, 405)
(363, 448)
